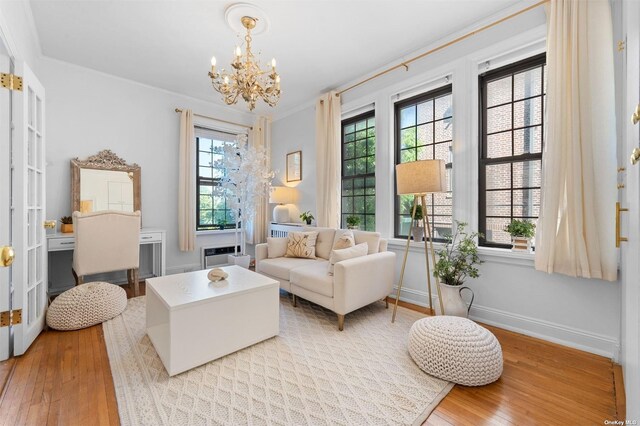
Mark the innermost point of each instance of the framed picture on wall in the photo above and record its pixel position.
(294, 166)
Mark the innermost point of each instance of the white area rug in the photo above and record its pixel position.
(310, 374)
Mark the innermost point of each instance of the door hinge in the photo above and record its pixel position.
(8, 318)
(11, 82)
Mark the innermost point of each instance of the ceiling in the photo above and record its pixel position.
(319, 44)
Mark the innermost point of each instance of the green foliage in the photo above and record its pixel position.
(521, 228)
(307, 216)
(353, 220)
(67, 220)
(459, 257)
(418, 215)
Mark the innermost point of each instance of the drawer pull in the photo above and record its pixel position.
(67, 243)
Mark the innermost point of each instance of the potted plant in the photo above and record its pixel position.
(353, 222)
(307, 217)
(246, 181)
(456, 262)
(521, 231)
(66, 224)
(222, 224)
(417, 231)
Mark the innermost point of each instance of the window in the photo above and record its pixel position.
(511, 110)
(359, 170)
(211, 210)
(424, 128)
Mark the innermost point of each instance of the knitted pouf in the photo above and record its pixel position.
(456, 349)
(86, 305)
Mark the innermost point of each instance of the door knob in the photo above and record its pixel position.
(49, 224)
(635, 117)
(7, 255)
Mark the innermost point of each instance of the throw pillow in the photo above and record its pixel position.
(302, 244)
(348, 253)
(276, 247)
(343, 241)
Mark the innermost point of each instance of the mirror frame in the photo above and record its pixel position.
(104, 160)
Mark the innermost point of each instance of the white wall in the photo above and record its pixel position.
(510, 293)
(88, 111)
(295, 136)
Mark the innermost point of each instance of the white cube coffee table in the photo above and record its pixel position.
(192, 321)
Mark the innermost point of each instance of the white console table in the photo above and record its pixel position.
(157, 237)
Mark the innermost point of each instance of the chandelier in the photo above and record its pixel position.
(247, 78)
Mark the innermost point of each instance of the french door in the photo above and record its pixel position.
(29, 274)
(5, 200)
(23, 285)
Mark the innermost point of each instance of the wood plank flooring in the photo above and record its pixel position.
(65, 379)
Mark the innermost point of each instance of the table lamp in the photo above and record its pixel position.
(418, 178)
(281, 195)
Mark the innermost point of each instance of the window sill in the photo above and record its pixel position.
(215, 232)
(487, 254)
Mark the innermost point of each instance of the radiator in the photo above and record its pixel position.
(215, 256)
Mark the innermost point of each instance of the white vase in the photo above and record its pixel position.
(452, 300)
(240, 260)
(417, 232)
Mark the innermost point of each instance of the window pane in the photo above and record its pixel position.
(527, 112)
(499, 203)
(425, 153)
(205, 172)
(528, 141)
(499, 176)
(425, 112)
(408, 138)
(495, 230)
(499, 118)
(361, 125)
(349, 128)
(206, 217)
(443, 107)
(527, 84)
(408, 116)
(407, 155)
(349, 151)
(204, 144)
(425, 134)
(527, 174)
(443, 131)
(499, 91)
(204, 158)
(526, 202)
(499, 145)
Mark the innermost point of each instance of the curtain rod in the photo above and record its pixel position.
(217, 119)
(405, 64)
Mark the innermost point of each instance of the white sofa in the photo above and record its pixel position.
(355, 282)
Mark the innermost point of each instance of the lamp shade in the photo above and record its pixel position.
(281, 195)
(420, 177)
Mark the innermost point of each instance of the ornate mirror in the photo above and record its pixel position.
(104, 182)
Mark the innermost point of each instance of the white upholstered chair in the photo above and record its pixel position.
(106, 241)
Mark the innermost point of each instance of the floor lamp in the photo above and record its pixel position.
(418, 178)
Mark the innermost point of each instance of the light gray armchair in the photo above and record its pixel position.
(107, 241)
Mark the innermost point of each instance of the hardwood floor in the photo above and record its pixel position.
(65, 379)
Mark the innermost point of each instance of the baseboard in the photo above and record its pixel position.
(557, 333)
(621, 399)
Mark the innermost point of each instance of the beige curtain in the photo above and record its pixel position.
(328, 116)
(260, 137)
(187, 183)
(575, 235)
